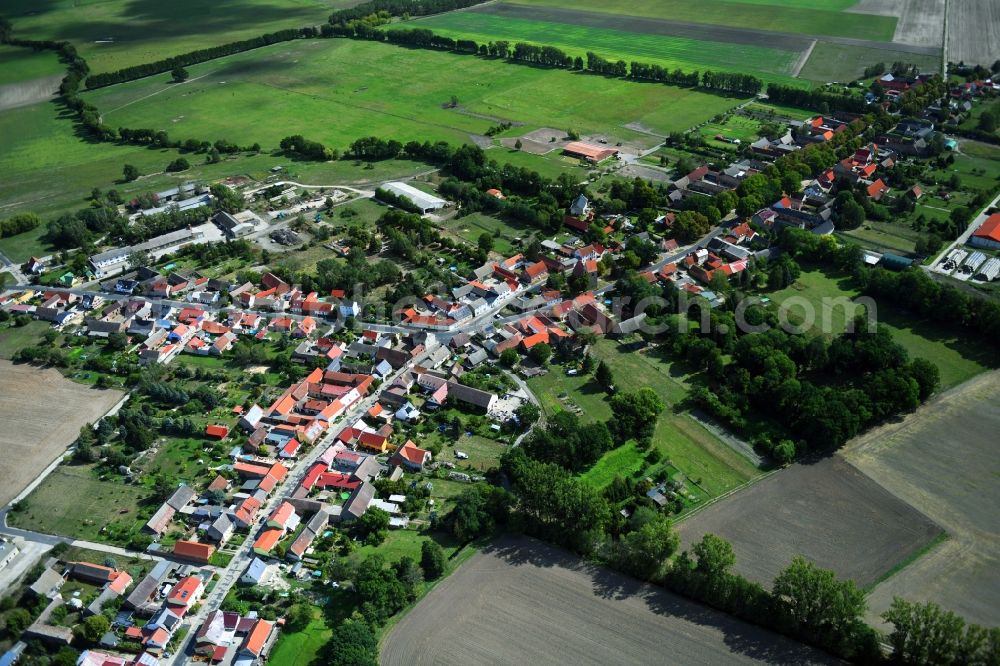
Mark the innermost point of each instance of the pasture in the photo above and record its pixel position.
(800, 16)
(827, 511)
(958, 357)
(37, 431)
(73, 502)
(942, 460)
(119, 33)
(325, 90)
(521, 601)
(632, 43)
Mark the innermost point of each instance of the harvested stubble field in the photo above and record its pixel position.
(943, 461)
(827, 511)
(36, 431)
(521, 601)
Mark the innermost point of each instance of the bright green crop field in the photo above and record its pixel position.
(335, 91)
(671, 52)
(112, 34)
(810, 17)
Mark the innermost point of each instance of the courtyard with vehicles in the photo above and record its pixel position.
(374, 336)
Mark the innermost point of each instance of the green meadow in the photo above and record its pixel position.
(810, 17)
(112, 34)
(17, 64)
(671, 52)
(335, 91)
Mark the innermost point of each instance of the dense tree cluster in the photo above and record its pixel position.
(567, 442)
(18, 224)
(554, 504)
(298, 146)
(815, 99)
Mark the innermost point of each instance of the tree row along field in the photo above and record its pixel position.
(805, 17)
(114, 33)
(335, 91)
(772, 64)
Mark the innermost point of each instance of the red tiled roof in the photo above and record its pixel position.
(219, 431)
(412, 453)
(990, 229)
(192, 550)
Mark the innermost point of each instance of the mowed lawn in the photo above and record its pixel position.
(685, 443)
(958, 356)
(112, 34)
(300, 648)
(73, 502)
(811, 17)
(336, 91)
(671, 52)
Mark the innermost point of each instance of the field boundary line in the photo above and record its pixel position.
(732, 491)
(803, 59)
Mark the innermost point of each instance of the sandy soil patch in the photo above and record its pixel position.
(827, 511)
(943, 461)
(524, 602)
(41, 412)
(24, 93)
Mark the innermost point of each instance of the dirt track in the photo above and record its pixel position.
(828, 512)
(523, 602)
(41, 412)
(943, 461)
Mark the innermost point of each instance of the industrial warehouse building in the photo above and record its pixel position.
(113, 261)
(425, 202)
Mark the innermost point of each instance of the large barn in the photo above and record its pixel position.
(988, 233)
(589, 151)
(425, 202)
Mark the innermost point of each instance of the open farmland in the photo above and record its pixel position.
(36, 432)
(112, 34)
(325, 90)
(629, 39)
(817, 18)
(942, 460)
(521, 601)
(827, 511)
